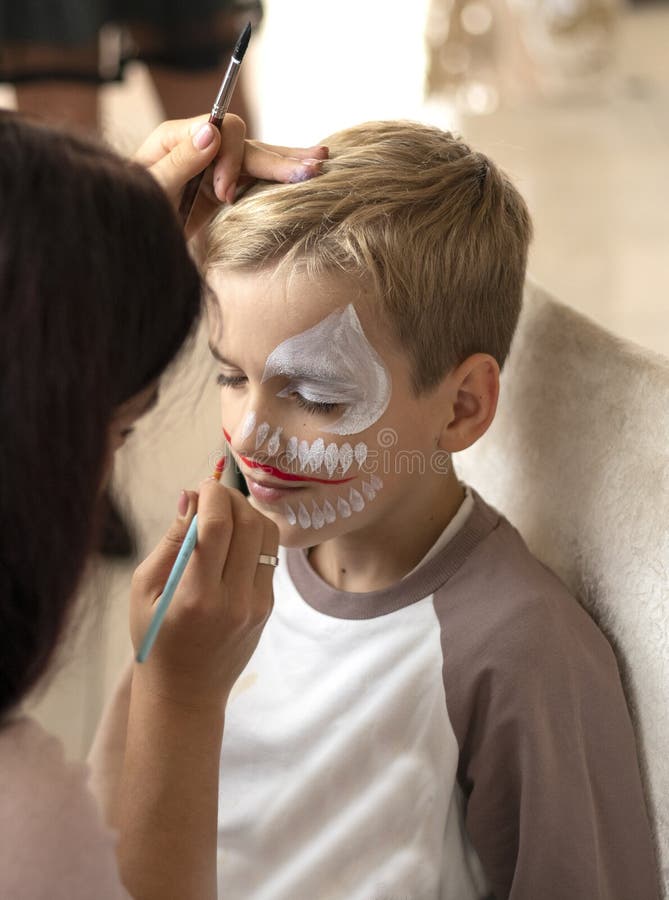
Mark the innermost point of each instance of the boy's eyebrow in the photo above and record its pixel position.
(331, 380)
(328, 378)
(217, 355)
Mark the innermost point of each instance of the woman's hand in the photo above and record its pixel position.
(179, 149)
(168, 795)
(219, 609)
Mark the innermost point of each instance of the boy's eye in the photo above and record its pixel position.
(312, 406)
(126, 432)
(232, 381)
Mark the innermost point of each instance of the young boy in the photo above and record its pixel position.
(429, 714)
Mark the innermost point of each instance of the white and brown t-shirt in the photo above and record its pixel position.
(459, 735)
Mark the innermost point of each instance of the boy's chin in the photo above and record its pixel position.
(301, 538)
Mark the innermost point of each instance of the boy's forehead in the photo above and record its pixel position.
(273, 306)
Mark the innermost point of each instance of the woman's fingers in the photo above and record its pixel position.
(179, 149)
(215, 528)
(240, 567)
(150, 576)
(231, 537)
(188, 158)
(318, 151)
(231, 158)
(246, 581)
(269, 163)
(220, 606)
(165, 137)
(270, 547)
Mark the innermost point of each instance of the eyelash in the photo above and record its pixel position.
(236, 381)
(232, 381)
(312, 407)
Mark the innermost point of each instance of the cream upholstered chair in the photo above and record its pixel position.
(578, 460)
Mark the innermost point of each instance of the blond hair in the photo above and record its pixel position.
(439, 229)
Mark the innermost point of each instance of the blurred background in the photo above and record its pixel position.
(570, 97)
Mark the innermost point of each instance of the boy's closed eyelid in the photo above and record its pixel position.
(312, 405)
(324, 391)
(226, 380)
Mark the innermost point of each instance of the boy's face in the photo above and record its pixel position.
(317, 405)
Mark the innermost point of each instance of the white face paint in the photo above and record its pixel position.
(333, 362)
(248, 425)
(311, 459)
(348, 502)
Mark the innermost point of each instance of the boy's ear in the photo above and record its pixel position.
(473, 392)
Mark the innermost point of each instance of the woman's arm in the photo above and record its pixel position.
(168, 793)
(168, 809)
(107, 753)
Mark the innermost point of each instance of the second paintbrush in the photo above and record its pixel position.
(218, 111)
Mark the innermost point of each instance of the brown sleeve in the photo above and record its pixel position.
(548, 765)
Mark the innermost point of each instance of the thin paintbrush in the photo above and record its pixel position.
(218, 112)
(180, 563)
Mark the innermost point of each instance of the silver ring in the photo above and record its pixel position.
(266, 560)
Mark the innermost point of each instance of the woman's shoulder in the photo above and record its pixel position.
(54, 842)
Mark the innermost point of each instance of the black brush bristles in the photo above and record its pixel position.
(242, 43)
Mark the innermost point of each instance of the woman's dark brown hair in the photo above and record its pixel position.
(97, 296)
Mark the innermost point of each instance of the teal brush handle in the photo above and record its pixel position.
(180, 563)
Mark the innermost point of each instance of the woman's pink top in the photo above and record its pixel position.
(53, 842)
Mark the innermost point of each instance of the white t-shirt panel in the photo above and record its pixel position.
(338, 770)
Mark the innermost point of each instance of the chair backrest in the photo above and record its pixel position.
(578, 460)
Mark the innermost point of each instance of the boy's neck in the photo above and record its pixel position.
(375, 558)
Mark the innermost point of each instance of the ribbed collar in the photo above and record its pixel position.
(422, 582)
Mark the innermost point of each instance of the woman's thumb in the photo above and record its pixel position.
(188, 158)
(151, 575)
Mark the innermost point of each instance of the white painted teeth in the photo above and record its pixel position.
(303, 516)
(343, 508)
(329, 512)
(249, 424)
(291, 450)
(360, 454)
(345, 457)
(273, 442)
(356, 501)
(261, 435)
(317, 517)
(311, 457)
(331, 458)
(316, 455)
(303, 453)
